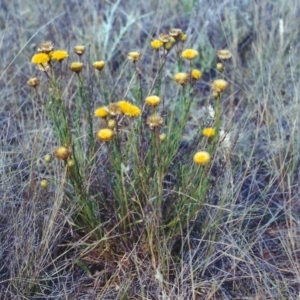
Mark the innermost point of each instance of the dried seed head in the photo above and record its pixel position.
(34, 82)
(46, 47)
(155, 121)
(134, 56)
(79, 49)
(224, 54)
(113, 109)
(165, 38)
(181, 78)
(175, 32)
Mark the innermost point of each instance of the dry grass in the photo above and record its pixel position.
(249, 248)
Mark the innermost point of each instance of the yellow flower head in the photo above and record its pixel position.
(201, 158)
(165, 38)
(156, 44)
(101, 112)
(34, 82)
(219, 85)
(99, 65)
(196, 74)
(181, 78)
(224, 54)
(76, 67)
(209, 132)
(189, 54)
(105, 135)
(134, 56)
(155, 120)
(45, 47)
(79, 49)
(152, 100)
(175, 32)
(62, 153)
(40, 58)
(113, 109)
(129, 109)
(59, 55)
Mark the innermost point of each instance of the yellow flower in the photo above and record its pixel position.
(105, 135)
(59, 55)
(40, 58)
(219, 85)
(224, 54)
(196, 74)
(99, 65)
(129, 109)
(101, 112)
(156, 44)
(62, 153)
(79, 49)
(152, 100)
(201, 158)
(45, 47)
(155, 120)
(76, 67)
(34, 82)
(189, 54)
(134, 56)
(209, 132)
(181, 78)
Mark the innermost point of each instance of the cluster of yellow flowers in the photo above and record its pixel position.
(46, 55)
(110, 112)
(167, 41)
(195, 74)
